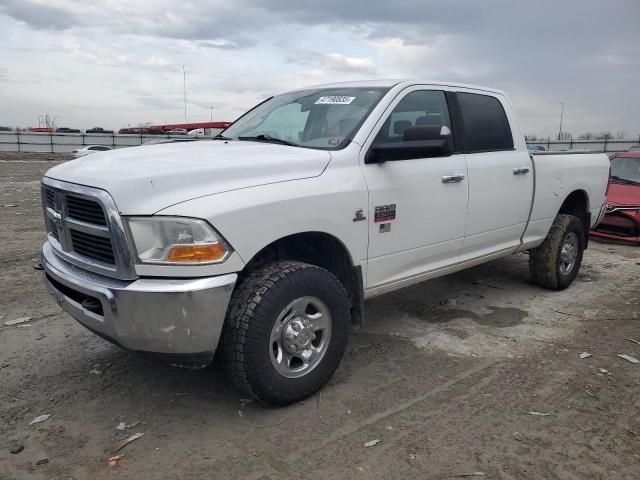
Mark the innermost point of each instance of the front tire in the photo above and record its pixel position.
(555, 263)
(286, 331)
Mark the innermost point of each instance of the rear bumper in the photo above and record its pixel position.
(174, 317)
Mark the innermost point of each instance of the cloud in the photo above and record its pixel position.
(217, 22)
(455, 14)
(118, 53)
(38, 15)
(157, 62)
(342, 63)
(333, 62)
(156, 102)
(222, 43)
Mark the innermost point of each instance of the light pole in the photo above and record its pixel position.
(184, 91)
(211, 115)
(561, 116)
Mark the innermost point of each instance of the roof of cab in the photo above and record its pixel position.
(389, 83)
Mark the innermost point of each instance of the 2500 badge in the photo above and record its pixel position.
(384, 213)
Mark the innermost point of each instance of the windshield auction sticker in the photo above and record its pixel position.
(335, 100)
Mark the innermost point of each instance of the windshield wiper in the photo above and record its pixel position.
(263, 137)
(626, 181)
(221, 137)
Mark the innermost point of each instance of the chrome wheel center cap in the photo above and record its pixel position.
(297, 335)
(300, 337)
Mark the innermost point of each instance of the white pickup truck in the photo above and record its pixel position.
(263, 243)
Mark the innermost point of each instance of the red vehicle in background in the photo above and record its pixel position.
(175, 128)
(622, 220)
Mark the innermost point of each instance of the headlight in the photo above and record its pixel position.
(176, 240)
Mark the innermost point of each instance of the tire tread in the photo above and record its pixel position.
(543, 260)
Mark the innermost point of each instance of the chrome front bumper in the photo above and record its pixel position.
(179, 317)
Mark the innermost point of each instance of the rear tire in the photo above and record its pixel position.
(285, 332)
(555, 263)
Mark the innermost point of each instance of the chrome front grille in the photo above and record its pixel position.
(85, 228)
(52, 228)
(50, 196)
(92, 246)
(85, 210)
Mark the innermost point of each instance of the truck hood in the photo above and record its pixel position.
(623, 195)
(144, 180)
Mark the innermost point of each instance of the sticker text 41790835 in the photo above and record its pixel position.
(335, 100)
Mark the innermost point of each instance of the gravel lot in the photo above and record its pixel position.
(444, 374)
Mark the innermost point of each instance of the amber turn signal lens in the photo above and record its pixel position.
(199, 253)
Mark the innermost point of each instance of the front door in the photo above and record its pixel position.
(417, 207)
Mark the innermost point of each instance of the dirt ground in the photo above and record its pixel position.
(444, 374)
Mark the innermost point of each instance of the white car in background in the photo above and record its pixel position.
(204, 132)
(81, 152)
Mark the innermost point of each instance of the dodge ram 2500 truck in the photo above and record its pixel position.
(262, 244)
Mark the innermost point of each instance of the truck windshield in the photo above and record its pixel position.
(325, 119)
(625, 170)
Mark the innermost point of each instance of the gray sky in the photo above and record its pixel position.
(114, 63)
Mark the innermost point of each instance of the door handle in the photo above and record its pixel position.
(520, 170)
(452, 178)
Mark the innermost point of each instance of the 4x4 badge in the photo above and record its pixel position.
(359, 215)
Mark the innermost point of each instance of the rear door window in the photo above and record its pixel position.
(485, 123)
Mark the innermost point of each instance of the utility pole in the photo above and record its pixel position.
(184, 91)
(211, 116)
(561, 116)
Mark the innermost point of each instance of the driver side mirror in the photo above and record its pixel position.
(422, 141)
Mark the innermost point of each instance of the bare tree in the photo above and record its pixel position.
(586, 136)
(620, 135)
(565, 137)
(531, 138)
(604, 135)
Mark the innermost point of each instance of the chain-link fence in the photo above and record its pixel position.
(604, 145)
(66, 142)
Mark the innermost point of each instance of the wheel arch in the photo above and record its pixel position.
(323, 250)
(577, 204)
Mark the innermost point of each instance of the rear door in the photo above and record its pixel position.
(500, 176)
(417, 207)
